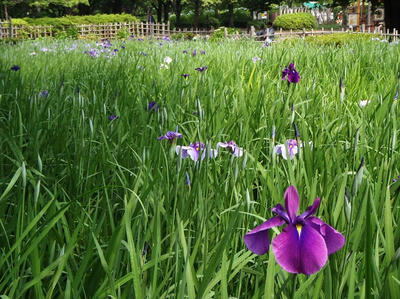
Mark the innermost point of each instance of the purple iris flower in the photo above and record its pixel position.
(283, 149)
(185, 75)
(201, 69)
(194, 53)
(115, 50)
(273, 134)
(291, 73)
(166, 38)
(194, 150)
(44, 93)
(187, 179)
(203, 52)
(185, 51)
(112, 117)
(15, 68)
(171, 136)
(304, 244)
(232, 147)
(152, 106)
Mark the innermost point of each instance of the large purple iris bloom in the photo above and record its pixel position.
(291, 73)
(195, 151)
(304, 244)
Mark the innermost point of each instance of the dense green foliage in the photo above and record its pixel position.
(338, 39)
(295, 21)
(219, 33)
(95, 208)
(77, 20)
(207, 19)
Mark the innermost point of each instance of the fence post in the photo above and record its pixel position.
(252, 32)
(168, 28)
(226, 32)
(11, 29)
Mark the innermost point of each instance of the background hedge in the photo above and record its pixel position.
(296, 21)
(77, 20)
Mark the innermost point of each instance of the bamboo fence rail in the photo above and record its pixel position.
(115, 30)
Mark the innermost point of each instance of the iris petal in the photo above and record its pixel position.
(292, 202)
(257, 240)
(300, 253)
(333, 239)
(311, 209)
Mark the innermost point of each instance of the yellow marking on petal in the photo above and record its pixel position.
(298, 226)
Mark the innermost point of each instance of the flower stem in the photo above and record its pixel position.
(293, 285)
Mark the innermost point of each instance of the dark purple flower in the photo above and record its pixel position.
(43, 94)
(112, 117)
(166, 38)
(304, 244)
(194, 150)
(185, 51)
(396, 179)
(232, 147)
(194, 53)
(152, 106)
(171, 136)
(296, 130)
(140, 39)
(115, 50)
(15, 68)
(201, 69)
(203, 52)
(122, 47)
(291, 73)
(185, 75)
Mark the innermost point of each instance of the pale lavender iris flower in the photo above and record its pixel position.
(195, 151)
(232, 147)
(304, 244)
(289, 148)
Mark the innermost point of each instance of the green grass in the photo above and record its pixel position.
(93, 208)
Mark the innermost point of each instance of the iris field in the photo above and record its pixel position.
(94, 205)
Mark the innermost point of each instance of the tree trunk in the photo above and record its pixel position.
(6, 11)
(196, 13)
(167, 6)
(159, 11)
(231, 15)
(178, 10)
(392, 14)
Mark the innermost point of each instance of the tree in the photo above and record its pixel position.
(392, 14)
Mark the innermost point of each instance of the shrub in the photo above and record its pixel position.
(183, 36)
(123, 33)
(295, 21)
(77, 20)
(338, 39)
(219, 33)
